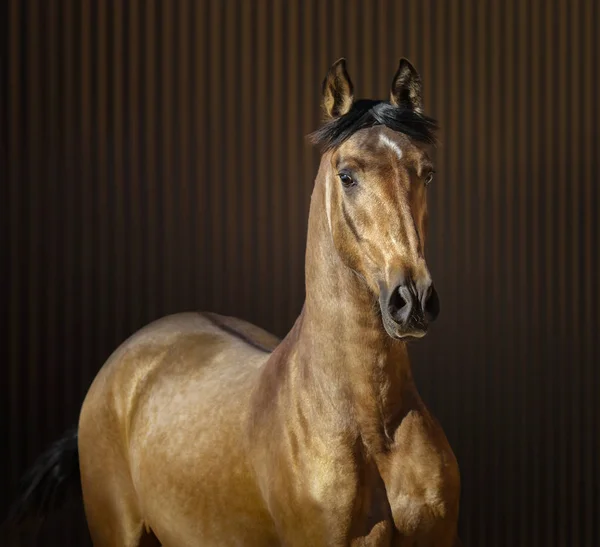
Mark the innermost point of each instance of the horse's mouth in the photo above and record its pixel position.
(412, 335)
(411, 331)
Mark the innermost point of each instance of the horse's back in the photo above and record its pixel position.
(170, 406)
(190, 343)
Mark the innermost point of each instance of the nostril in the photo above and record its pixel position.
(399, 304)
(431, 307)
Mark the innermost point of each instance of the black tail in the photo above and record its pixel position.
(47, 485)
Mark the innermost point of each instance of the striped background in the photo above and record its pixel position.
(154, 161)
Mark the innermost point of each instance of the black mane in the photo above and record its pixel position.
(367, 113)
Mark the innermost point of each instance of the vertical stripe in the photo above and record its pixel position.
(536, 289)
(562, 438)
(216, 152)
(150, 126)
(230, 209)
(385, 56)
(451, 133)
(181, 121)
(117, 255)
(134, 136)
(246, 173)
(496, 96)
(291, 117)
(522, 291)
(369, 62)
(508, 89)
(168, 186)
(550, 241)
(467, 242)
(52, 222)
(573, 251)
(32, 238)
(277, 212)
(483, 170)
(16, 228)
(595, 372)
(201, 137)
(262, 81)
(102, 203)
(589, 459)
(311, 111)
(87, 205)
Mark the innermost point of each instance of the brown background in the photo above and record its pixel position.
(154, 161)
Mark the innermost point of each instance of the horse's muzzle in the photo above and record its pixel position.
(408, 309)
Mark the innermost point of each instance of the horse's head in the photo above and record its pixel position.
(377, 169)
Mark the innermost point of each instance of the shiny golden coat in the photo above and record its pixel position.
(194, 434)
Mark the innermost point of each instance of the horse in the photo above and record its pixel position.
(203, 429)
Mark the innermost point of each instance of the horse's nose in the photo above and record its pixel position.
(430, 303)
(400, 304)
(414, 303)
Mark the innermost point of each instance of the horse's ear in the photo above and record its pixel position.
(406, 87)
(338, 91)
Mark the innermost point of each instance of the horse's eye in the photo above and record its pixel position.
(429, 179)
(347, 180)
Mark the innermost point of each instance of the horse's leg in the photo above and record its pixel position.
(107, 529)
(112, 514)
(111, 508)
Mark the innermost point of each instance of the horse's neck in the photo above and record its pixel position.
(341, 341)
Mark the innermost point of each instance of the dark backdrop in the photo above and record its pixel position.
(154, 161)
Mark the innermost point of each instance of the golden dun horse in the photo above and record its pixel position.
(204, 430)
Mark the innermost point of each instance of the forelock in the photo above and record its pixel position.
(367, 113)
